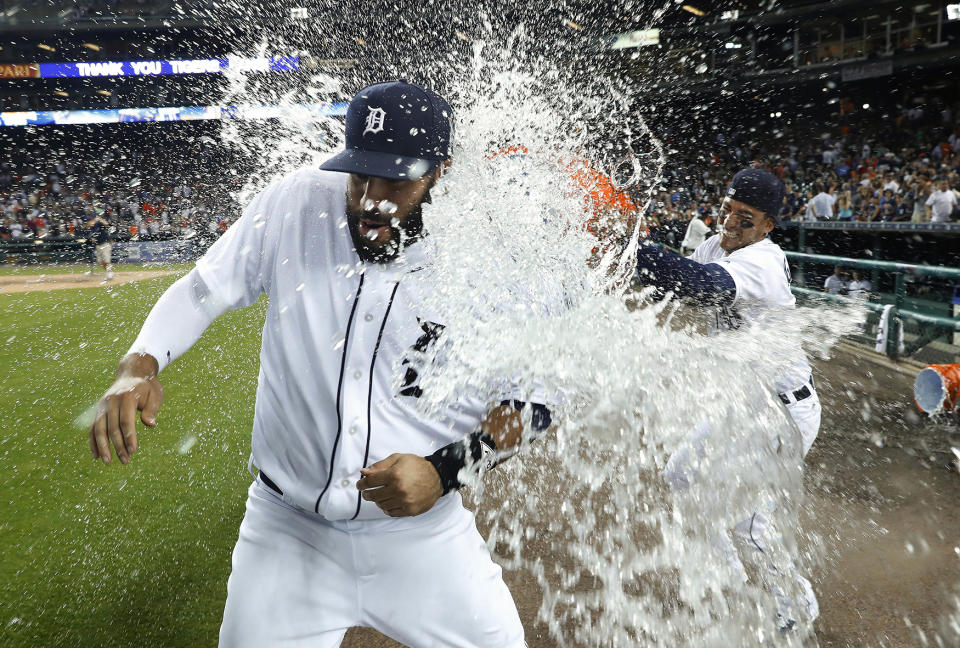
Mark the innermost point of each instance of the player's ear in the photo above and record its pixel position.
(768, 224)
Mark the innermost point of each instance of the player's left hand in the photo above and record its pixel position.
(401, 485)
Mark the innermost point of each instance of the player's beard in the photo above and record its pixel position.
(406, 232)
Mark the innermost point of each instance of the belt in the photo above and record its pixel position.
(269, 483)
(793, 397)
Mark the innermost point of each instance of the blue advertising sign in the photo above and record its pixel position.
(181, 113)
(186, 66)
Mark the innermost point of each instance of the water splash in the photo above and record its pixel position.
(535, 304)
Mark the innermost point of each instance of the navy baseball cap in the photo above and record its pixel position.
(397, 130)
(760, 189)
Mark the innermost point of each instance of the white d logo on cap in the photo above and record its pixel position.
(374, 120)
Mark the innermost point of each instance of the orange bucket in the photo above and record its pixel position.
(937, 388)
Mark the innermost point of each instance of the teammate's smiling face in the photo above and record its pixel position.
(742, 225)
(385, 215)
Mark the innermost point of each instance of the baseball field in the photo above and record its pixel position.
(135, 555)
(139, 555)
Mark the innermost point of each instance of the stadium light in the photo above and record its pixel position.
(92, 46)
(61, 93)
(694, 10)
(299, 13)
(953, 12)
(733, 45)
(866, 106)
(105, 93)
(572, 25)
(44, 46)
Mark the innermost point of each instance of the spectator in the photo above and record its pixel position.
(921, 194)
(844, 207)
(891, 183)
(835, 285)
(697, 232)
(859, 287)
(941, 203)
(821, 205)
(902, 209)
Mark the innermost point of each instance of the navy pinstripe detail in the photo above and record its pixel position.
(343, 364)
(373, 361)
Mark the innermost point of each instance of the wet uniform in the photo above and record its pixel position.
(761, 276)
(313, 558)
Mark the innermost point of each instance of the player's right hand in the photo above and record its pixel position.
(136, 388)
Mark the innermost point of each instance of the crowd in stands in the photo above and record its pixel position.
(56, 199)
(902, 167)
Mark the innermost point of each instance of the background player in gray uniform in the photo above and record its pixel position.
(103, 248)
(354, 518)
(740, 278)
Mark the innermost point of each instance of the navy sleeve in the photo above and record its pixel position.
(541, 417)
(706, 283)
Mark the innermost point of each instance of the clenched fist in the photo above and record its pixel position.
(401, 485)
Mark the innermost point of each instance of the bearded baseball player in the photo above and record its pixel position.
(354, 518)
(739, 277)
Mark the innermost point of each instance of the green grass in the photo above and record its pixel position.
(136, 555)
(80, 268)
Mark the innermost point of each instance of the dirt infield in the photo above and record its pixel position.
(31, 283)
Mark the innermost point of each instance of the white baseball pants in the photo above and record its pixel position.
(750, 537)
(301, 581)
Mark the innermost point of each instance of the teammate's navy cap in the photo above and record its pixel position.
(760, 189)
(397, 130)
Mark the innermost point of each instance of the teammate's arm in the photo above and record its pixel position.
(706, 283)
(406, 484)
(175, 323)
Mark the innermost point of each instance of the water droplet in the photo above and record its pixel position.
(187, 443)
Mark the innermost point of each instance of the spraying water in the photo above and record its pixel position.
(533, 301)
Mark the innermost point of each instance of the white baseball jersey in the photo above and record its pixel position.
(859, 289)
(942, 204)
(834, 284)
(822, 205)
(697, 232)
(762, 278)
(335, 334)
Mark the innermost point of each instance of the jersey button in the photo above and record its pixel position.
(358, 374)
(353, 430)
(368, 317)
(345, 483)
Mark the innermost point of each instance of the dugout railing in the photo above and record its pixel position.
(931, 326)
